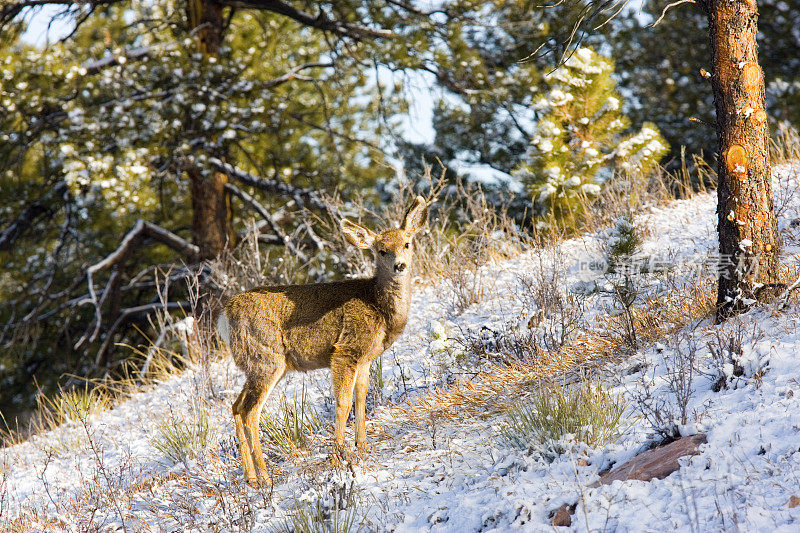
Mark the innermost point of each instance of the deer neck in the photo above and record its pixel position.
(393, 298)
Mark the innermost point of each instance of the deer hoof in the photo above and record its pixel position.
(340, 457)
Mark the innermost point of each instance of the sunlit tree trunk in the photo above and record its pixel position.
(748, 235)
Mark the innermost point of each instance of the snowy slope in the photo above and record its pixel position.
(434, 472)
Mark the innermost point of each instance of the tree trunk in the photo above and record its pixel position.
(211, 215)
(205, 19)
(211, 230)
(748, 234)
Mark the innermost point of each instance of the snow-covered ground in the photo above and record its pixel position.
(450, 469)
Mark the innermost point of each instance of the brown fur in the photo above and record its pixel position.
(342, 325)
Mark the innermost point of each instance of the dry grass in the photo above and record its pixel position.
(498, 389)
(290, 429)
(73, 405)
(785, 144)
(179, 440)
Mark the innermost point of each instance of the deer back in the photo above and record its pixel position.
(304, 323)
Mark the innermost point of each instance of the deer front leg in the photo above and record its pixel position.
(343, 372)
(362, 384)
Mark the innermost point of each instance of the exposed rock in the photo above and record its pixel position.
(583, 462)
(657, 463)
(563, 516)
(794, 501)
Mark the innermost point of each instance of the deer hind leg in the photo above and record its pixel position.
(245, 452)
(247, 412)
(362, 384)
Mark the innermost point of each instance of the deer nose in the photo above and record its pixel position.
(399, 267)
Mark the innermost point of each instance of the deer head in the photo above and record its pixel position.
(394, 249)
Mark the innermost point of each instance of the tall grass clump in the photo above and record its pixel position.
(329, 507)
(182, 440)
(312, 517)
(557, 414)
(77, 404)
(289, 430)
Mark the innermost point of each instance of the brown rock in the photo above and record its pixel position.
(563, 516)
(794, 501)
(657, 463)
(583, 462)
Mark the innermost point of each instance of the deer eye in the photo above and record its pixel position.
(382, 252)
(408, 245)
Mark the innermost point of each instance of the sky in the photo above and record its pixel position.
(38, 33)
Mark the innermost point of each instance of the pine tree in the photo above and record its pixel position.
(581, 142)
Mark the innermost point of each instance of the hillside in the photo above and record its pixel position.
(439, 460)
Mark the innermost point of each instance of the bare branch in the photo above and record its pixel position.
(12, 8)
(320, 21)
(262, 237)
(300, 196)
(261, 210)
(293, 74)
(126, 314)
(668, 7)
(140, 230)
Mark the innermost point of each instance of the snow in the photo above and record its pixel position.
(430, 471)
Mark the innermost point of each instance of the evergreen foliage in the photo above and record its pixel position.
(582, 141)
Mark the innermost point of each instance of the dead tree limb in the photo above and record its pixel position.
(321, 21)
(141, 229)
(299, 195)
(266, 215)
(294, 74)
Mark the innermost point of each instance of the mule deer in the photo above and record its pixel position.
(341, 325)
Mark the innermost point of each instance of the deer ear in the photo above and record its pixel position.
(416, 216)
(357, 235)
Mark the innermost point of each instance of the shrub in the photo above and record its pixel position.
(312, 517)
(328, 507)
(622, 251)
(663, 391)
(557, 413)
